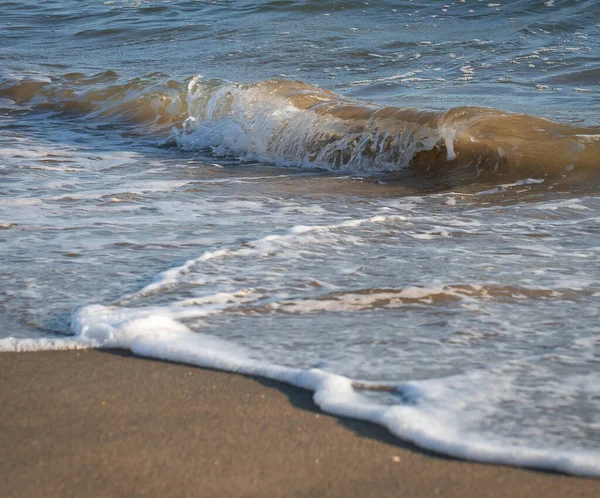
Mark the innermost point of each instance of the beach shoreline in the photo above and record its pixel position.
(107, 423)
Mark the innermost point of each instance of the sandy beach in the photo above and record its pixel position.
(107, 424)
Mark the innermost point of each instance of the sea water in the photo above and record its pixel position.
(393, 204)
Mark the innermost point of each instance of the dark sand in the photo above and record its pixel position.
(106, 424)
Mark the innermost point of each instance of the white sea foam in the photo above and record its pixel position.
(23, 344)
(255, 247)
(434, 419)
(443, 415)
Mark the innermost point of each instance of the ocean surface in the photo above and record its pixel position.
(394, 204)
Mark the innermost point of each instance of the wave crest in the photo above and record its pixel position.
(294, 123)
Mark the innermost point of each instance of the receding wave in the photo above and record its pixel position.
(294, 123)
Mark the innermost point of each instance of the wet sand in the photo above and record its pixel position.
(107, 424)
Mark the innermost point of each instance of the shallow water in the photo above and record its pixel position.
(385, 240)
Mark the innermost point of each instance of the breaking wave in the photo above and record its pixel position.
(294, 123)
